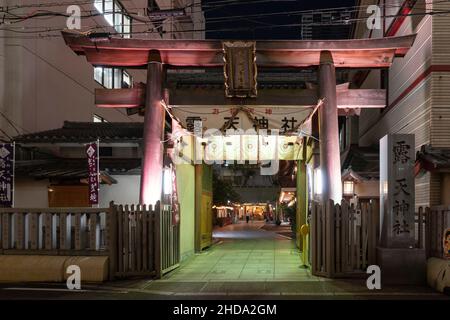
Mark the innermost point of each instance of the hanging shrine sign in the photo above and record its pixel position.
(7, 175)
(397, 201)
(93, 171)
(240, 69)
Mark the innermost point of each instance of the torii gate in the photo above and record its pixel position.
(153, 54)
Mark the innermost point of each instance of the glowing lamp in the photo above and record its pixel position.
(349, 188)
(318, 181)
(167, 181)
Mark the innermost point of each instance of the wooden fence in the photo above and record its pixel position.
(344, 237)
(138, 240)
(432, 225)
(54, 231)
(170, 241)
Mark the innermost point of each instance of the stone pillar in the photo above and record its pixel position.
(153, 148)
(330, 157)
(399, 260)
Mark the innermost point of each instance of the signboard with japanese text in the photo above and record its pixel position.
(397, 203)
(93, 172)
(7, 175)
(240, 70)
(283, 119)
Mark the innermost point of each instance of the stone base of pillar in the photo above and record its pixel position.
(402, 266)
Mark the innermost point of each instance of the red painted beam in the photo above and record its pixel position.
(361, 53)
(120, 98)
(404, 11)
(346, 99)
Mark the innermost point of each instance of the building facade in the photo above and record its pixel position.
(41, 76)
(418, 87)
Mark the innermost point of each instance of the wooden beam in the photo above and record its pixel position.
(153, 149)
(330, 158)
(346, 99)
(354, 53)
(120, 98)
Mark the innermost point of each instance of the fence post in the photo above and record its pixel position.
(111, 223)
(345, 235)
(428, 232)
(313, 238)
(420, 228)
(157, 216)
(330, 231)
(6, 230)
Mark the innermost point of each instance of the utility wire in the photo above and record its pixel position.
(335, 22)
(335, 10)
(298, 12)
(346, 22)
(10, 122)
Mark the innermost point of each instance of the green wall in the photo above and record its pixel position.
(207, 174)
(186, 196)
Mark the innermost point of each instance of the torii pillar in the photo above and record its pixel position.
(153, 148)
(330, 156)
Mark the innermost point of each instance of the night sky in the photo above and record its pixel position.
(267, 27)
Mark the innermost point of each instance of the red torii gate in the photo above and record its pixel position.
(153, 54)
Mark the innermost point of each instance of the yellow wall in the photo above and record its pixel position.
(186, 196)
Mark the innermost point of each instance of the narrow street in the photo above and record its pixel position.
(245, 252)
(246, 262)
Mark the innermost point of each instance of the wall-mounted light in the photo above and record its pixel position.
(349, 188)
(318, 185)
(167, 181)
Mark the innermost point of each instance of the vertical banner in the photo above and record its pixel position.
(175, 203)
(7, 175)
(93, 171)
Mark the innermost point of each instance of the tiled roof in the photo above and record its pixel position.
(87, 132)
(281, 78)
(365, 161)
(73, 168)
(434, 159)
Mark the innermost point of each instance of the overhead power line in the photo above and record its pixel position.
(240, 2)
(44, 33)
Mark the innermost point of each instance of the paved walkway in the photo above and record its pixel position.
(247, 263)
(245, 252)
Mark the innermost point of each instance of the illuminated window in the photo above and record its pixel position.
(349, 188)
(97, 118)
(116, 16)
(112, 78)
(99, 5)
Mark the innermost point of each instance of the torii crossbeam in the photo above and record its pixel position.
(153, 54)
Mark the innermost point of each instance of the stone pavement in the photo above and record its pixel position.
(251, 263)
(245, 252)
(247, 263)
